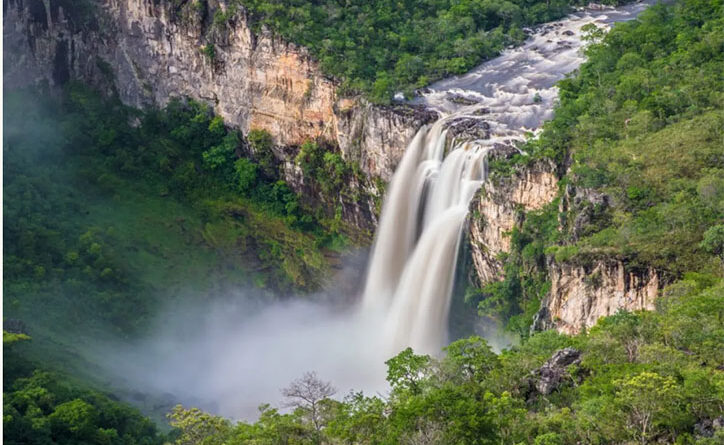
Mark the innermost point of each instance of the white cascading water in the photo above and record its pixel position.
(410, 273)
(414, 262)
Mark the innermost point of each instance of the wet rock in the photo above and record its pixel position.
(481, 112)
(460, 99)
(469, 129)
(568, 32)
(597, 7)
(503, 151)
(550, 375)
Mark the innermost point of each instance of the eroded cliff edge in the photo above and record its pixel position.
(580, 291)
(150, 51)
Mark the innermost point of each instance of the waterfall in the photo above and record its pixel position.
(411, 271)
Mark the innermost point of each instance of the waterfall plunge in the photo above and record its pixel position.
(411, 271)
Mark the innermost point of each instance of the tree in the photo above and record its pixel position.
(198, 427)
(262, 146)
(75, 418)
(220, 155)
(406, 370)
(245, 175)
(307, 393)
(649, 398)
(713, 241)
(470, 358)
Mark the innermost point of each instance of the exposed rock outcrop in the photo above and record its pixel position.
(549, 377)
(708, 427)
(580, 294)
(495, 210)
(150, 51)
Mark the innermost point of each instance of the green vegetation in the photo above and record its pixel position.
(334, 179)
(111, 214)
(645, 377)
(381, 47)
(43, 408)
(641, 126)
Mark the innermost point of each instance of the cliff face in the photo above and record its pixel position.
(495, 212)
(150, 51)
(581, 295)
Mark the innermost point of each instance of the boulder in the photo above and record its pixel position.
(549, 377)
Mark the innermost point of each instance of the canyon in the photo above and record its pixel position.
(149, 51)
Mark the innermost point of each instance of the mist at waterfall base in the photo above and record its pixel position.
(238, 352)
(235, 354)
(232, 355)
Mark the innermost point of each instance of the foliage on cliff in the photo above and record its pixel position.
(641, 127)
(647, 377)
(381, 47)
(110, 212)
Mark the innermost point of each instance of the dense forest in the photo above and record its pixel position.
(642, 123)
(112, 212)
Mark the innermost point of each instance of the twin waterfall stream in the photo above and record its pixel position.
(411, 270)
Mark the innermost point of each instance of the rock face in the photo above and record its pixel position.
(377, 136)
(494, 214)
(580, 295)
(150, 51)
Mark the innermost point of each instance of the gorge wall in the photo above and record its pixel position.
(495, 212)
(149, 51)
